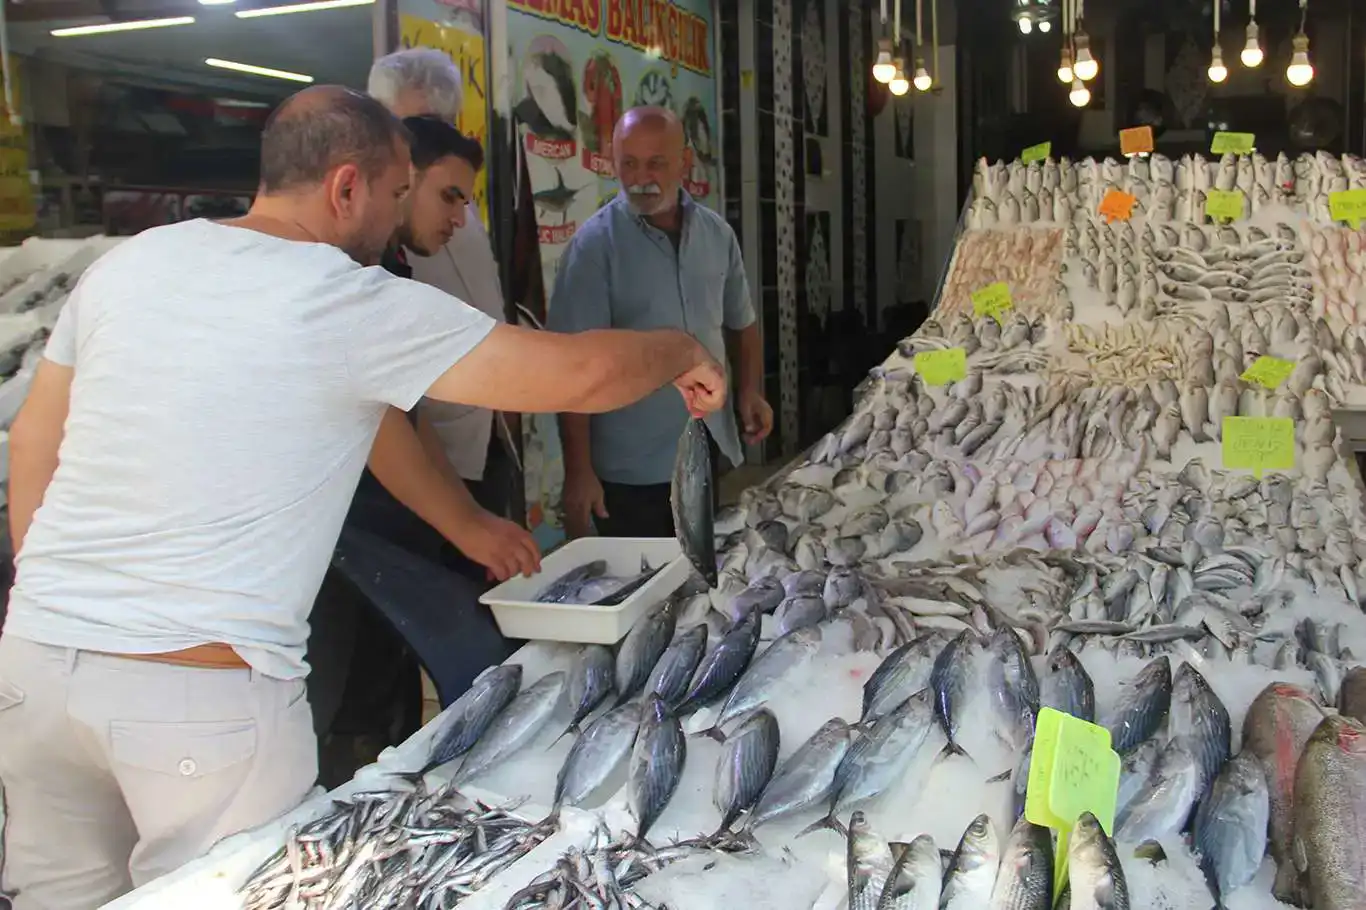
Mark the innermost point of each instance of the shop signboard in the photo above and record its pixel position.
(575, 66)
(455, 28)
(17, 213)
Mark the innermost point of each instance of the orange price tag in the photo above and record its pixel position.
(1117, 206)
(1136, 141)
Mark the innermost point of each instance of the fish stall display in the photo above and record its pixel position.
(837, 708)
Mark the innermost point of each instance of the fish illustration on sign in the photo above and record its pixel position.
(558, 198)
(550, 106)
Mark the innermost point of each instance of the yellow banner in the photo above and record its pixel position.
(466, 50)
(17, 218)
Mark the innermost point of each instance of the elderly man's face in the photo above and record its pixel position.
(651, 161)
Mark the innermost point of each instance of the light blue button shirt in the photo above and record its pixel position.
(621, 272)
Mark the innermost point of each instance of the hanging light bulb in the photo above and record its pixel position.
(1252, 51)
(1299, 72)
(1217, 71)
(884, 69)
(1065, 66)
(1026, 25)
(1086, 67)
(1080, 94)
(899, 86)
(922, 80)
(1045, 26)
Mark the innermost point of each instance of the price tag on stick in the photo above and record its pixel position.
(1072, 770)
(1348, 206)
(1269, 371)
(1259, 443)
(942, 367)
(1136, 140)
(1233, 143)
(993, 300)
(1224, 205)
(1036, 152)
(1117, 206)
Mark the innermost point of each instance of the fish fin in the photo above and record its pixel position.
(829, 822)
(572, 728)
(951, 749)
(998, 778)
(715, 733)
(898, 849)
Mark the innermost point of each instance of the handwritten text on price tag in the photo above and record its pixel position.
(1036, 152)
(1233, 143)
(992, 300)
(1224, 205)
(942, 367)
(1348, 206)
(1259, 443)
(1269, 371)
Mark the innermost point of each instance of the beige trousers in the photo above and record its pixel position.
(117, 771)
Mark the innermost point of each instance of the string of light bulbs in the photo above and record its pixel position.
(889, 67)
(1299, 73)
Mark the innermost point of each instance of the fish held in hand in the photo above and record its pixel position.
(691, 495)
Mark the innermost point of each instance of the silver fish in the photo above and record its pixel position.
(597, 754)
(901, 674)
(470, 715)
(722, 667)
(516, 726)
(805, 778)
(915, 880)
(1025, 880)
(1199, 715)
(675, 668)
(1142, 706)
(746, 766)
(656, 764)
(869, 864)
(971, 874)
(1095, 878)
(590, 680)
(641, 649)
(786, 655)
(1230, 828)
(1067, 687)
(1164, 803)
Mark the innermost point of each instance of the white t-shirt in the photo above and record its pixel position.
(227, 389)
(464, 268)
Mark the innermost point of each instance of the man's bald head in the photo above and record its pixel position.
(651, 158)
(322, 128)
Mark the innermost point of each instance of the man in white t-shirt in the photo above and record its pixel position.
(178, 477)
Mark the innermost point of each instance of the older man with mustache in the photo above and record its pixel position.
(652, 258)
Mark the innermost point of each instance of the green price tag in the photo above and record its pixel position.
(1348, 206)
(1072, 770)
(942, 367)
(992, 300)
(1236, 143)
(1036, 152)
(1224, 205)
(1259, 443)
(1269, 371)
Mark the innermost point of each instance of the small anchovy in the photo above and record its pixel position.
(393, 849)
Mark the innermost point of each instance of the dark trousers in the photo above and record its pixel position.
(645, 510)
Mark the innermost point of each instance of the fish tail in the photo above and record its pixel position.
(998, 778)
(951, 749)
(715, 733)
(551, 821)
(829, 822)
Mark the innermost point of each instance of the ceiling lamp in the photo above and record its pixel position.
(1080, 96)
(255, 70)
(1086, 67)
(884, 69)
(922, 80)
(1026, 25)
(1252, 51)
(1065, 66)
(1045, 26)
(899, 86)
(106, 27)
(313, 7)
(1217, 71)
(1300, 73)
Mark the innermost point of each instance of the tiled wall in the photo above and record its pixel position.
(801, 202)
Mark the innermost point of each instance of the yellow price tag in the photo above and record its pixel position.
(1117, 205)
(993, 300)
(942, 367)
(1348, 206)
(1136, 140)
(1072, 770)
(1269, 371)
(1235, 143)
(1224, 205)
(1259, 443)
(1036, 152)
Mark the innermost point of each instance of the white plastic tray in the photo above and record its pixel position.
(519, 616)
